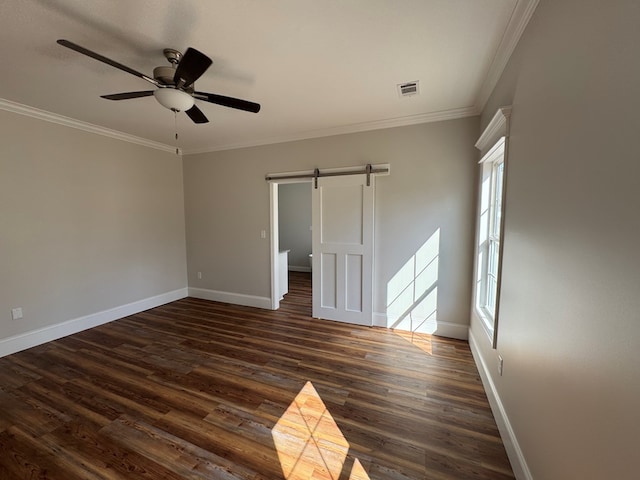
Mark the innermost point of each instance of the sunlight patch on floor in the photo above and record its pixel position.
(309, 443)
(420, 340)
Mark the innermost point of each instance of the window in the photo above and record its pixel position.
(490, 233)
(493, 144)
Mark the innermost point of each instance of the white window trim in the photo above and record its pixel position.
(489, 162)
(493, 143)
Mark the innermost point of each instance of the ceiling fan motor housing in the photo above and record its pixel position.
(164, 75)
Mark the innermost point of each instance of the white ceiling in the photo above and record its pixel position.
(317, 67)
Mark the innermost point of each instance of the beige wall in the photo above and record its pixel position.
(570, 320)
(89, 223)
(294, 218)
(430, 188)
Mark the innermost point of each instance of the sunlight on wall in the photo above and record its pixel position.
(309, 442)
(412, 293)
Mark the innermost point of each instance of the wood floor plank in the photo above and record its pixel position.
(173, 453)
(203, 390)
(111, 458)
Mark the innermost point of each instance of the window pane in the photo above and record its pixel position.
(493, 258)
(497, 199)
(491, 297)
(492, 276)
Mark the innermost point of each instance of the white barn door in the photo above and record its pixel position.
(342, 219)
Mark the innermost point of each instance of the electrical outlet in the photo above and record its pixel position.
(16, 313)
(500, 365)
(263, 234)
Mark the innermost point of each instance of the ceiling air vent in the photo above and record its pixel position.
(408, 89)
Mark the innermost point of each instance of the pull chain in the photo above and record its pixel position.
(175, 123)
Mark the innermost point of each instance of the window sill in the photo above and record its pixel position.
(486, 322)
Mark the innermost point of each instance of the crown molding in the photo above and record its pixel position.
(87, 127)
(498, 127)
(522, 13)
(452, 114)
(346, 129)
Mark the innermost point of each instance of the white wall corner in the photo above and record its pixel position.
(511, 445)
(33, 338)
(232, 298)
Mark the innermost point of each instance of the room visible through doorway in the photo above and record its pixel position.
(292, 242)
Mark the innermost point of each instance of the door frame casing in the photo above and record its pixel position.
(273, 214)
(274, 236)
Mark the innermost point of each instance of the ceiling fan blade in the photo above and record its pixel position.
(231, 102)
(128, 95)
(196, 115)
(108, 61)
(191, 66)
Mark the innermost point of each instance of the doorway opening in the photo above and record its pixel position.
(342, 201)
(291, 244)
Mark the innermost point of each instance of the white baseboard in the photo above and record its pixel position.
(233, 298)
(511, 445)
(452, 330)
(297, 268)
(379, 319)
(442, 329)
(33, 338)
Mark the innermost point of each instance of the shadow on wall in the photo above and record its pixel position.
(412, 293)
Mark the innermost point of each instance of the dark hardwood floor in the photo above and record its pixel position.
(202, 390)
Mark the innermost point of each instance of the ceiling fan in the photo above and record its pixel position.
(175, 84)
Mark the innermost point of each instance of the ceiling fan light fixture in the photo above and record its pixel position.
(174, 99)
